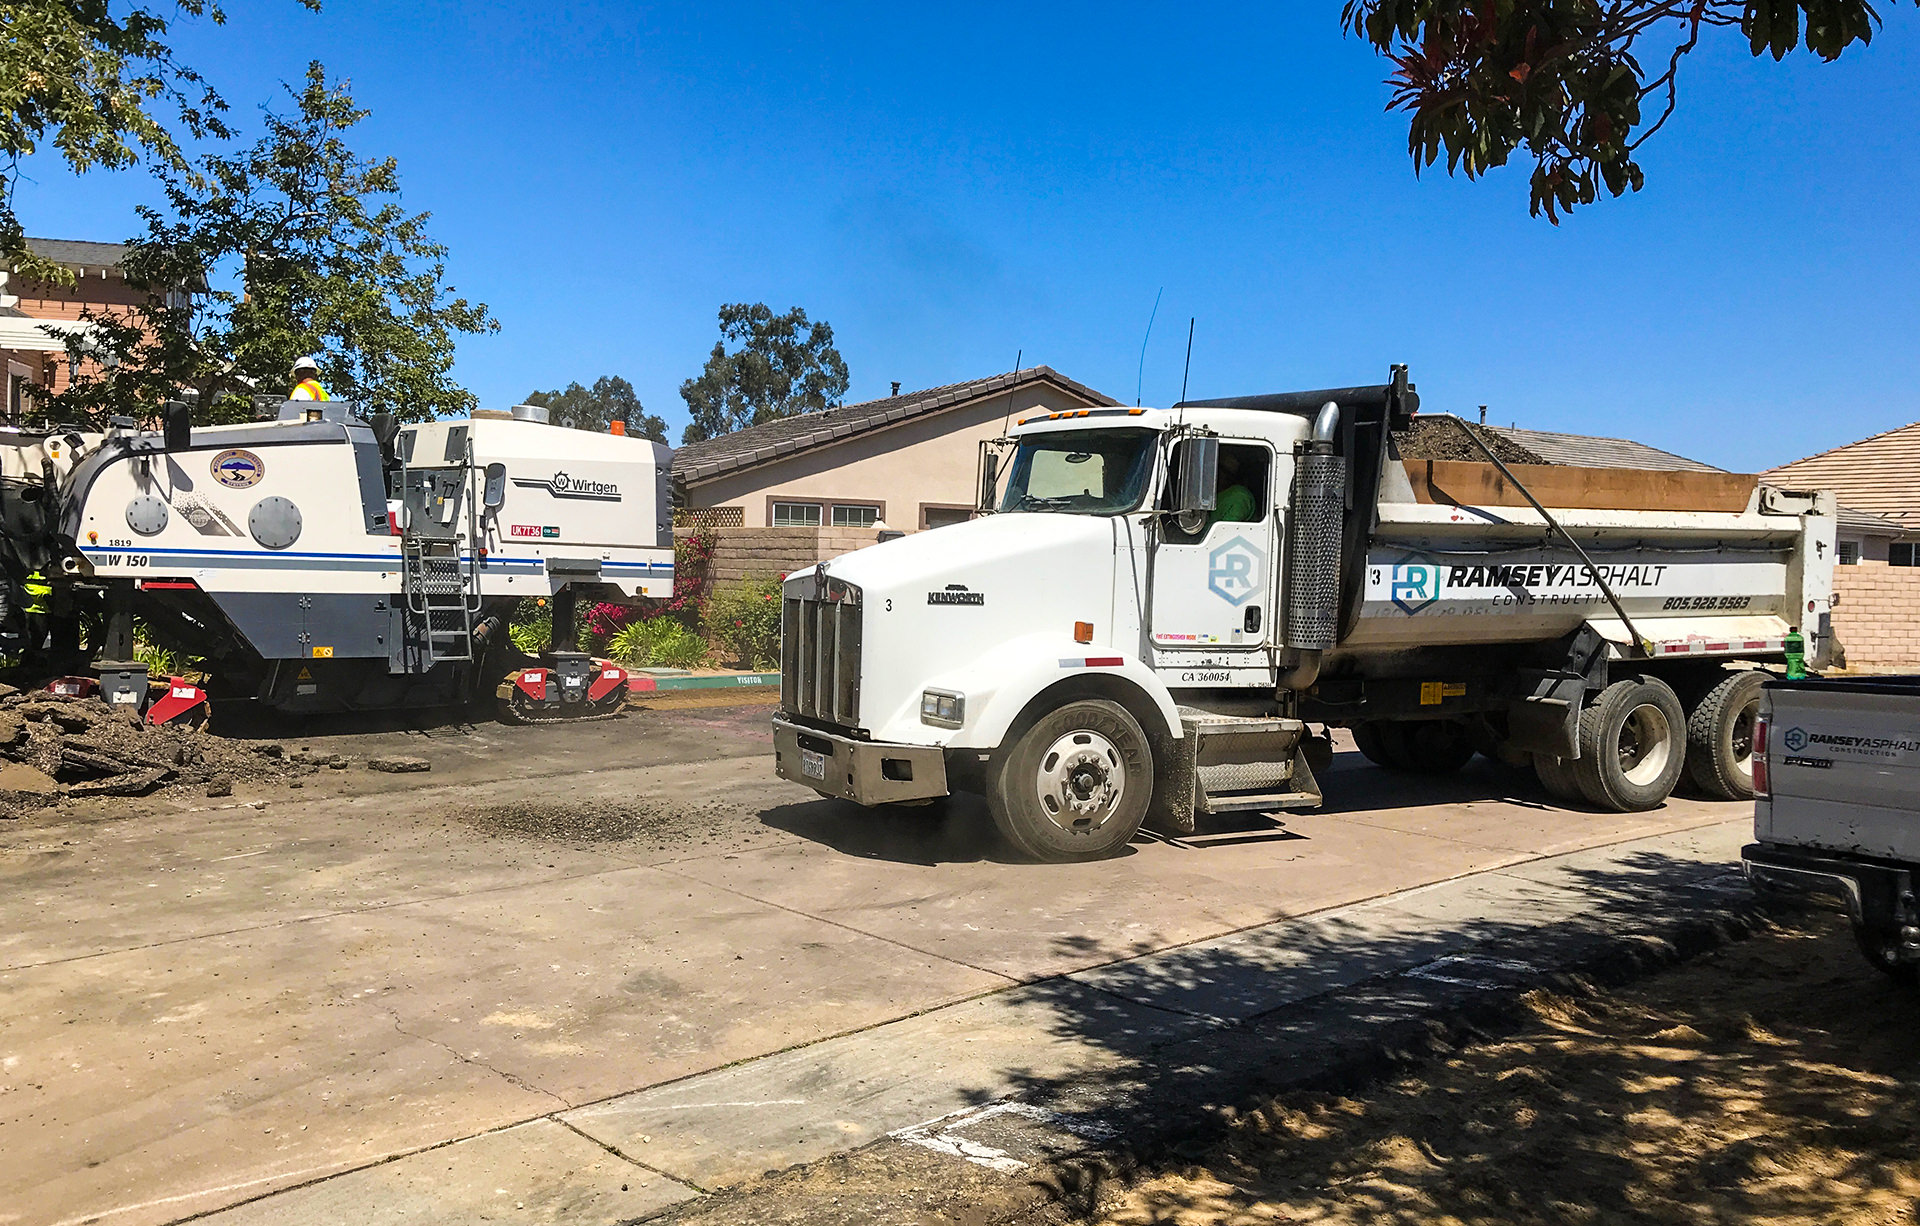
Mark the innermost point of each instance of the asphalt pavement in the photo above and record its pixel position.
(588, 974)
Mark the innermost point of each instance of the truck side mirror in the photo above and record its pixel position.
(1196, 476)
(177, 422)
(494, 492)
(989, 477)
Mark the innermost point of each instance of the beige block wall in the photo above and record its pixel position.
(767, 553)
(926, 461)
(1878, 618)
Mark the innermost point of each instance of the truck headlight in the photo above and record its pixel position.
(943, 708)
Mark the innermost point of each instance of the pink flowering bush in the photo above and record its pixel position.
(744, 621)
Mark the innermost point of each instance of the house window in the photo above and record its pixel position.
(1904, 554)
(796, 515)
(854, 516)
(1849, 553)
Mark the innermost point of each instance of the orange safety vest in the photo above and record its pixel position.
(309, 389)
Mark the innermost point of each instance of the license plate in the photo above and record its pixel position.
(813, 765)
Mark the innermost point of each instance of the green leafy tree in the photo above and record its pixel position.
(294, 245)
(595, 408)
(88, 80)
(1568, 80)
(782, 365)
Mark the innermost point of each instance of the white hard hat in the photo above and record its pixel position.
(306, 363)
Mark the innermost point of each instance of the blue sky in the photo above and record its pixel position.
(949, 187)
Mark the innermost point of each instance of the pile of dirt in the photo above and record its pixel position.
(1432, 438)
(1770, 1082)
(53, 746)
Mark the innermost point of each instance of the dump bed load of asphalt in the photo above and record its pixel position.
(1430, 438)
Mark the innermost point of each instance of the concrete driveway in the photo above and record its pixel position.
(207, 1004)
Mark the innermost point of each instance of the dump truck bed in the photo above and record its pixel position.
(1702, 563)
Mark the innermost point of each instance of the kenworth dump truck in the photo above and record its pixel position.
(1166, 601)
(322, 560)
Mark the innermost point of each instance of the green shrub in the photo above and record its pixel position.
(662, 642)
(745, 620)
(531, 633)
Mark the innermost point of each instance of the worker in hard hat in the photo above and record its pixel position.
(306, 381)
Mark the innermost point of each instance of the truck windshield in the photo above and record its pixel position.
(1091, 472)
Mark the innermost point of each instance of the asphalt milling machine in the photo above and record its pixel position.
(321, 560)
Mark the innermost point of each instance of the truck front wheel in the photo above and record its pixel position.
(1633, 745)
(1075, 785)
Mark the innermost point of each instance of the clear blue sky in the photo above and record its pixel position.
(948, 188)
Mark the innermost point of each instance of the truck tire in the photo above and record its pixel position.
(1633, 745)
(1720, 736)
(1556, 775)
(1075, 785)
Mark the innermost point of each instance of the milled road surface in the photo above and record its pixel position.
(208, 1001)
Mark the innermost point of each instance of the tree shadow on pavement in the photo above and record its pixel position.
(1191, 1040)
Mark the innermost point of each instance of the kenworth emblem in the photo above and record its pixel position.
(1415, 585)
(1233, 571)
(956, 593)
(560, 485)
(237, 469)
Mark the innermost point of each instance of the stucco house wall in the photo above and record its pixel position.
(903, 470)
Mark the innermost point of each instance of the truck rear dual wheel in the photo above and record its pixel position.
(1720, 736)
(1633, 745)
(1075, 785)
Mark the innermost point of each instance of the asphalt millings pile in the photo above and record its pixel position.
(1434, 438)
(53, 746)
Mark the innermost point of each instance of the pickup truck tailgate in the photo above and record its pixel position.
(1843, 767)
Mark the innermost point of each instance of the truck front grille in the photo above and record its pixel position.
(820, 653)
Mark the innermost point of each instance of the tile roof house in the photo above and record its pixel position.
(1862, 533)
(1591, 451)
(908, 460)
(1878, 475)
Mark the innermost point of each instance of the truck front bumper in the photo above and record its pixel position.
(865, 772)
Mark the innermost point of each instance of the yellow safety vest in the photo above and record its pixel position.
(309, 389)
(39, 591)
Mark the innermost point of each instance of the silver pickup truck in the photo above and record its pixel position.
(1837, 806)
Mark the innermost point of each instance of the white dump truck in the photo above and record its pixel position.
(324, 560)
(1165, 603)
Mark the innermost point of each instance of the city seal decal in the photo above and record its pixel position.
(560, 485)
(957, 593)
(238, 469)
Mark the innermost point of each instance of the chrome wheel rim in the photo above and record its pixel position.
(1081, 781)
(1740, 738)
(1645, 744)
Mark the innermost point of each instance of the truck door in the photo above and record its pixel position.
(1213, 580)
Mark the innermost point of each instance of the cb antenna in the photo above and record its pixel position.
(1189, 365)
(1142, 369)
(1018, 354)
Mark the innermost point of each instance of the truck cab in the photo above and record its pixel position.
(1162, 602)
